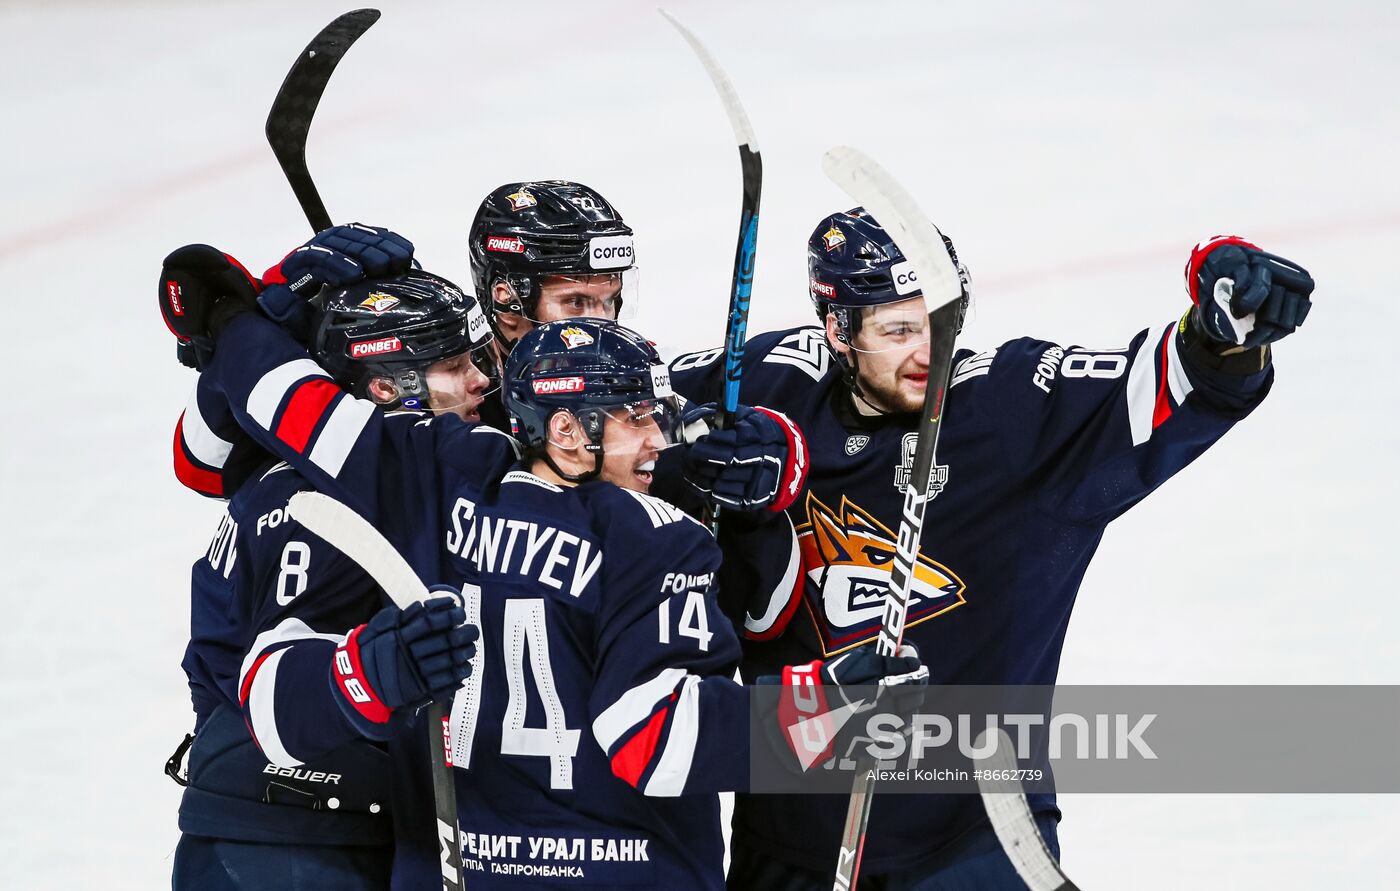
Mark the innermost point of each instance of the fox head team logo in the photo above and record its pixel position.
(846, 557)
(379, 304)
(521, 200)
(575, 337)
(833, 238)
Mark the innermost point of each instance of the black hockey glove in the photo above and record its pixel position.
(340, 255)
(200, 289)
(1244, 296)
(812, 722)
(758, 461)
(403, 658)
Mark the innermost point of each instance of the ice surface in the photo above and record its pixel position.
(1074, 151)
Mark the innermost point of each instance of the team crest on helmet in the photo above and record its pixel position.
(856, 442)
(521, 200)
(833, 238)
(379, 303)
(575, 337)
(846, 558)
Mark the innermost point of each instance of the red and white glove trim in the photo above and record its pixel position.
(349, 676)
(794, 475)
(1198, 259)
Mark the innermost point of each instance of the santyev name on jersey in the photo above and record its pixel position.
(501, 545)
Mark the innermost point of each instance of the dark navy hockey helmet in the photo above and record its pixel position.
(395, 327)
(524, 232)
(591, 368)
(852, 262)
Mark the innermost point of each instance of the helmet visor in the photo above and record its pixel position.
(884, 328)
(596, 295)
(662, 413)
(460, 384)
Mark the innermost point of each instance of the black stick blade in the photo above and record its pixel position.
(289, 121)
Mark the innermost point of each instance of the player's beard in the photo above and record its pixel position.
(894, 391)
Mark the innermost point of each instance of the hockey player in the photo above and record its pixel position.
(601, 715)
(547, 250)
(1041, 446)
(270, 809)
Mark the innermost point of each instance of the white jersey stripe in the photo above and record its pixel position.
(207, 447)
(779, 597)
(262, 715)
(1176, 372)
(273, 387)
(287, 629)
(1142, 390)
(340, 434)
(668, 779)
(634, 707)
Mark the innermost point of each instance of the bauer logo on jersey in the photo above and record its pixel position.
(661, 381)
(822, 289)
(521, 200)
(846, 557)
(505, 244)
(833, 238)
(906, 279)
(364, 348)
(610, 252)
(378, 303)
(551, 385)
(575, 337)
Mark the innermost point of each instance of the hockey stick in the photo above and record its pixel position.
(888, 202)
(1011, 819)
(351, 534)
(872, 187)
(289, 121)
(736, 326)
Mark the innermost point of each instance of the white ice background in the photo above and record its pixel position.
(1074, 151)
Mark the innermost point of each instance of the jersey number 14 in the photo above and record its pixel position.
(525, 653)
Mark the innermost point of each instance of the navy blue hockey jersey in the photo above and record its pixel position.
(265, 595)
(1041, 446)
(601, 716)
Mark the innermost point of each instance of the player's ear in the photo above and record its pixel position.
(832, 334)
(381, 390)
(564, 431)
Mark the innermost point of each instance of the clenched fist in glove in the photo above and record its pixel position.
(758, 460)
(200, 289)
(340, 255)
(811, 718)
(1244, 296)
(403, 658)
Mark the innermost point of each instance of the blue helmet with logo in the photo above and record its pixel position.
(590, 368)
(395, 327)
(526, 231)
(852, 262)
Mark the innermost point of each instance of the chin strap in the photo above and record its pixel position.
(594, 428)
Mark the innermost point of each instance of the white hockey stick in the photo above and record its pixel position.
(1011, 818)
(922, 244)
(353, 536)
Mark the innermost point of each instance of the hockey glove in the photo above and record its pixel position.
(403, 658)
(1244, 296)
(340, 255)
(200, 289)
(759, 460)
(810, 721)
